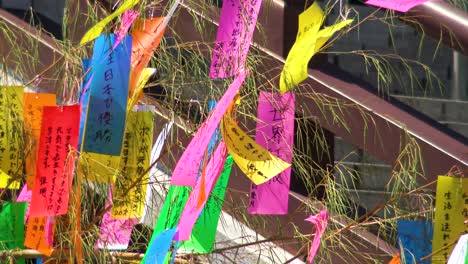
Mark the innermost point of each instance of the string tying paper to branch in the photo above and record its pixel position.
(320, 221)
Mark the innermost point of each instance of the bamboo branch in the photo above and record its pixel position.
(63, 254)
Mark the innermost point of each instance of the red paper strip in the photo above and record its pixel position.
(54, 173)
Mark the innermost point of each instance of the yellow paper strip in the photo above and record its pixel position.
(97, 29)
(309, 40)
(258, 164)
(11, 136)
(98, 167)
(142, 80)
(449, 218)
(130, 187)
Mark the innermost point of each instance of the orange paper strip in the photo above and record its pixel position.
(36, 235)
(146, 36)
(33, 104)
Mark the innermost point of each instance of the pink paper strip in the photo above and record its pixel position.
(235, 31)
(320, 221)
(127, 20)
(397, 5)
(186, 170)
(275, 132)
(114, 233)
(193, 208)
(25, 196)
(49, 230)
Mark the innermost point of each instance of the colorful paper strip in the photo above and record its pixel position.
(131, 182)
(275, 132)
(97, 29)
(105, 121)
(235, 31)
(258, 164)
(197, 200)
(12, 225)
(414, 238)
(186, 170)
(158, 247)
(33, 105)
(54, 174)
(320, 222)
(397, 5)
(11, 136)
(449, 218)
(151, 201)
(309, 40)
(114, 233)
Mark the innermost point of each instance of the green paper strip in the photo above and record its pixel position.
(12, 226)
(204, 231)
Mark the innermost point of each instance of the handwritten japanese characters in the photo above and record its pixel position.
(258, 164)
(235, 31)
(105, 121)
(33, 105)
(131, 180)
(275, 132)
(55, 162)
(449, 218)
(11, 136)
(114, 233)
(310, 39)
(36, 235)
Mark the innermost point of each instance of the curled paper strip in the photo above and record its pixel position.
(320, 221)
(258, 164)
(114, 233)
(97, 29)
(397, 5)
(192, 208)
(186, 170)
(310, 39)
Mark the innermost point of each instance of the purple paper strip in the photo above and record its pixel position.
(275, 132)
(235, 31)
(114, 233)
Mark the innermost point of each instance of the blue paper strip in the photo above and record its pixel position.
(415, 240)
(159, 246)
(105, 122)
(174, 252)
(84, 97)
